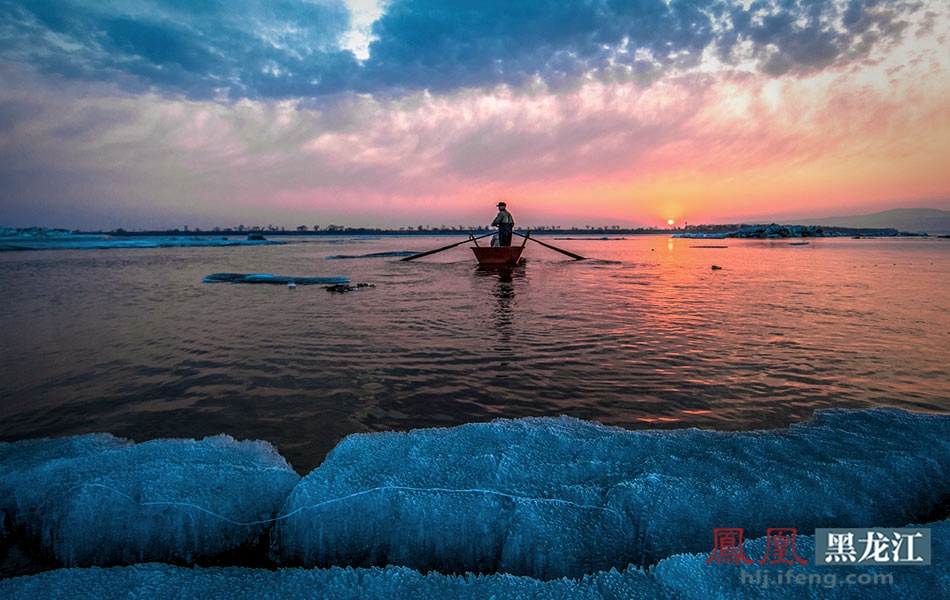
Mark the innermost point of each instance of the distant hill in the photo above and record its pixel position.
(910, 220)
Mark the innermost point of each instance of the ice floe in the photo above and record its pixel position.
(272, 279)
(393, 254)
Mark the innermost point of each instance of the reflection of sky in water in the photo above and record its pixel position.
(643, 334)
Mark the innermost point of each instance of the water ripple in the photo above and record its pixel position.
(645, 335)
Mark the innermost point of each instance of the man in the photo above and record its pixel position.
(505, 224)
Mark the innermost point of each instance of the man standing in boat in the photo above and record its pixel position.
(505, 224)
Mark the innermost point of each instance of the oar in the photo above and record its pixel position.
(421, 254)
(571, 254)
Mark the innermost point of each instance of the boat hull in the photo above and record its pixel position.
(498, 255)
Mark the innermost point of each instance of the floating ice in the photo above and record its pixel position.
(51, 239)
(272, 279)
(681, 577)
(98, 500)
(393, 254)
(561, 497)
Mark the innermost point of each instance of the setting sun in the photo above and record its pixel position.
(670, 222)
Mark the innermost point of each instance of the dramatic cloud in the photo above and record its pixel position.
(296, 48)
(235, 48)
(157, 113)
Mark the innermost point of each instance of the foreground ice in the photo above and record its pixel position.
(529, 501)
(681, 577)
(562, 497)
(100, 500)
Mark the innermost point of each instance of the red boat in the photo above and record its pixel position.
(498, 255)
(495, 256)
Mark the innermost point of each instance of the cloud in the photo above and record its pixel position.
(146, 113)
(274, 49)
(238, 48)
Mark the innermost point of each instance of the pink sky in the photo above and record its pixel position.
(709, 143)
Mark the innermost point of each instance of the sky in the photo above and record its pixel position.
(157, 114)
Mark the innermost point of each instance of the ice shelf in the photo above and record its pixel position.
(525, 503)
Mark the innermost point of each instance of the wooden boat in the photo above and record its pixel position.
(498, 255)
(493, 256)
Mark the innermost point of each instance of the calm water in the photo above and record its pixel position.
(644, 335)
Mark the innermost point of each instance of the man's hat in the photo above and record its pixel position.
(502, 204)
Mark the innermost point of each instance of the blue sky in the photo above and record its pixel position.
(284, 49)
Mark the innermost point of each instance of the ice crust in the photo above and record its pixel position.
(681, 577)
(551, 498)
(100, 500)
(524, 502)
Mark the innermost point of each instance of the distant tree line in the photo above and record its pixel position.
(405, 230)
(601, 230)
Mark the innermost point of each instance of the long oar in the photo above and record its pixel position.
(421, 254)
(571, 254)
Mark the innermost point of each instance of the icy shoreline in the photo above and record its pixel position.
(681, 577)
(12, 240)
(525, 502)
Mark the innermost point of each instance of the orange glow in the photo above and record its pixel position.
(733, 146)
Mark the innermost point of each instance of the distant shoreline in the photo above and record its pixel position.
(743, 230)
